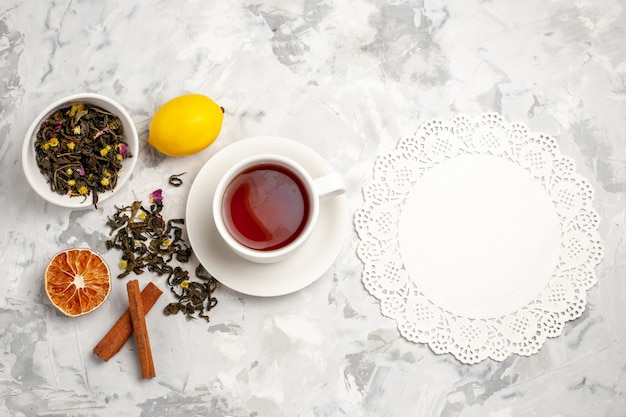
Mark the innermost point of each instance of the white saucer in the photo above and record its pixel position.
(264, 280)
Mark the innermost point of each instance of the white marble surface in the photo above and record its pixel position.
(347, 78)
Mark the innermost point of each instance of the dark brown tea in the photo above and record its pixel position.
(265, 207)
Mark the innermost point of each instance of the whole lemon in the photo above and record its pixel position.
(185, 125)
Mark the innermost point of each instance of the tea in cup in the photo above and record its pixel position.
(266, 206)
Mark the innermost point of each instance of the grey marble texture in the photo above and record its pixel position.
(348, 78)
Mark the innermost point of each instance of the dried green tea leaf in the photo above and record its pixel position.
(80, 150)
(175, 180)
(149, 242)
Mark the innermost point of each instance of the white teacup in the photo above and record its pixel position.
(266, 206)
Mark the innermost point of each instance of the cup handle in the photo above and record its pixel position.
(330, 185)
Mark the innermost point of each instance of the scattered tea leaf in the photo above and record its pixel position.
(192, 297)
(149, 242)
(146, 239)
(175, 180)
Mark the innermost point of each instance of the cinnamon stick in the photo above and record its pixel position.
(139, 327)
(113, 341)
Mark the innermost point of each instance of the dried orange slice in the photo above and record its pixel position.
(77, 281)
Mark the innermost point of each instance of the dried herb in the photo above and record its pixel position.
(148, 241)
(175, 180)
(80, 150)
(192, 297)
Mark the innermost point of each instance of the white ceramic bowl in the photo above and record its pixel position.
(39, 182)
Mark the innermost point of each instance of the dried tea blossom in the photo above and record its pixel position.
(148, 241)
(80, 150)
(156, 196)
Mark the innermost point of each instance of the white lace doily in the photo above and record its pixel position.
(478, 237)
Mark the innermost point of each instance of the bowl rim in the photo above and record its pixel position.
(32, 173)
